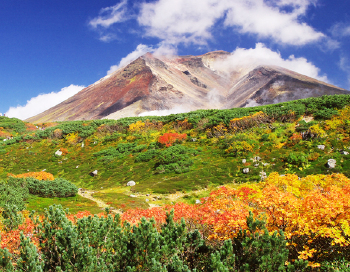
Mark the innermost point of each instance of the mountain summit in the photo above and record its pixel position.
(153, 85)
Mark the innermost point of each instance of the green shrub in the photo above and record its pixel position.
(139, 148)
(51, 188)
(14, 192)
(11, 217)
(147, 156)
(176, 159)
(122, 150)
(336, 266)
(324, 114)
(296, 159)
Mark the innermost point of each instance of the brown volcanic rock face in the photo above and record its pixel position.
(110, 94)
(269, 85)
(184, 83)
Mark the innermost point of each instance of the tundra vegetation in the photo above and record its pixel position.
(260, 189)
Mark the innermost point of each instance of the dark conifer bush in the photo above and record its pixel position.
(104, 244)
(58, 187)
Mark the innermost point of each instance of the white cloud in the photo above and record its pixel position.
(107, 37)
(188, 21)
(141, 49)
(340, 30)
(43, 102)
(110, 15)
(256, 17)
(345, 66)
(246, 59)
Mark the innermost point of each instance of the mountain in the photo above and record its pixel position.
(153, 85)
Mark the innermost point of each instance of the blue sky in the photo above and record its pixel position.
(49, 50)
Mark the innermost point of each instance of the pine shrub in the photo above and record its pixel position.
(58, 187)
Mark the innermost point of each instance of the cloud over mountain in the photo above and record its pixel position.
(43, 102)
(188, 21)
(248, 59)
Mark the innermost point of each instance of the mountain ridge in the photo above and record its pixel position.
(158, 83)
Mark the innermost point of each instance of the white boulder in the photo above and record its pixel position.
(131, 183)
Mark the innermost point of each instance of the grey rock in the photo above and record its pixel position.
(82, 144)
(147, 199)
(198, 201)
(244, 161)
(256, 165)
(194, 139)
(131, 183)
(94, 173)
(263, 175)
(58, 153)
(321, 147)
(344, 152)
(331, 163)
(246, 170)
(132, 195)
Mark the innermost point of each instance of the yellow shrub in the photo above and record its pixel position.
(72, 138)
(137, 127)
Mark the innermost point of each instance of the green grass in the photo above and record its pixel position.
(74, 204)
(122, 201)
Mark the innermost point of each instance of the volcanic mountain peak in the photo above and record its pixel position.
(155, 84)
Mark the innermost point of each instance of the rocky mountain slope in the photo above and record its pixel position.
(153, 85)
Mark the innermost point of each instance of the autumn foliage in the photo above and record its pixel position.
(313, 212)
(168, 139)
(37, 175)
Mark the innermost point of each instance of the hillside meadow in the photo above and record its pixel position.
(247, 189)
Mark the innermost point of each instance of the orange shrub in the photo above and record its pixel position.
(37, 175)
(64, 151)
(295, 138)
(169, 138)
(30, 127)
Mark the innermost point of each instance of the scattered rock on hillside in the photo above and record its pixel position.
(94, 173)
(263, 175)
(344, 152)
(321, 147)
(246, 170)
(244, 161)
(198, 201)
(331, 163)
(257, 158)
(131, 183)
(132, 195)
(58, 153)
